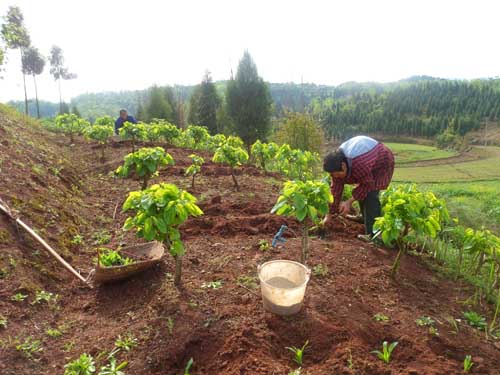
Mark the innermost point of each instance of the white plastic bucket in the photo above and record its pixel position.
(283, 285)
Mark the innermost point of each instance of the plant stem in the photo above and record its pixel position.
(192, 183)
(145, 182)
(496, 311)
(178, 270)
(234, 180)
(397, 261)
(305, 244)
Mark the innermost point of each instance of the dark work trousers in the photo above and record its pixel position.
(370, 209)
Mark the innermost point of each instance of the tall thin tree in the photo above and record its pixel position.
(59, 71)
(249, 102)
(15, 36)
(33, 64)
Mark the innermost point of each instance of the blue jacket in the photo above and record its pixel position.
(119, 122)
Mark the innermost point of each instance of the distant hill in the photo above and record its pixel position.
(421, 106)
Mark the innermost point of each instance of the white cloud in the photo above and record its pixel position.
(119, 45)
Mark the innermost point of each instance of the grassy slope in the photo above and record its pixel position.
(407, 153)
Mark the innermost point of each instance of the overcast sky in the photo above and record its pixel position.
(121, 45)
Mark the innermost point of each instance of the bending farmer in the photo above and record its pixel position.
(124, 117)
(368, 164)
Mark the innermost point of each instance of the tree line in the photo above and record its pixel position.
(15, 36)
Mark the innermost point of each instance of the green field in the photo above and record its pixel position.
(407, 153)
(470, 188)
(485, 168)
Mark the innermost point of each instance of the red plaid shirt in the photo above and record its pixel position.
(370, 171)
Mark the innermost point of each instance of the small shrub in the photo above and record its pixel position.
(53, 332)
(234, 156)
(308, 202)
(194, 168)
(133, 132)
(212, 285)
(113, 368)
(3, 321)
(159, 211)
(264, 245)
(145, 163)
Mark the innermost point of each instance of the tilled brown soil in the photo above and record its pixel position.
(226, 330)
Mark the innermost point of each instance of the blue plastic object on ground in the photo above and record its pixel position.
(278, 237)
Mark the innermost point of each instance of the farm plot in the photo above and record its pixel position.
(215, 317)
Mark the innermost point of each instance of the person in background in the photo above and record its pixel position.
(124, 117)
(367, 163)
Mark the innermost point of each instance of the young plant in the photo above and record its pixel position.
(188, 366)
(126, 343)
(263, 153)
(475, 320)
(234, 156)
(53, 332)
(101, 134)
(298, 352)
(194, 168)
(168, 132)
(145, 163)
(70, 124)
(112, 368)
(3, 321)
(212, 285)
(408, 214)
(379, 317)
(308, 202)
(424, 321)
(199, 135)
(77, 240)
(468, 364)
(385, 354)
(132, 132)
(264, 245)
(30, 347)
(18, 297)
(160, 210)
(84, 365)
(320, 270)
(41, 296)
(110, 258)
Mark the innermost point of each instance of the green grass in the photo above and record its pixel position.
(476, 204)
(407, 153)
(485, 168)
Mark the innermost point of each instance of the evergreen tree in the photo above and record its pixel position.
(15, 36)
(75, 111)
(64, 108)
(204, 104)
(158, 106)
(300, 131)
(140, 114)
(249, 102)
(33, 64)
(59, 71)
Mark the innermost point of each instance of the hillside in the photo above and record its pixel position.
(64, 191)
(415, 107)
